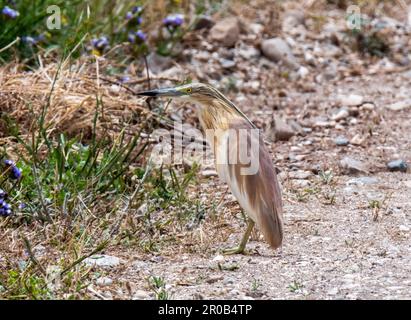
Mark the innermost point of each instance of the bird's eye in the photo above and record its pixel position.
(189, 90)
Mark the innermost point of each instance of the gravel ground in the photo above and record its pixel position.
(355, 247)
(347, 237)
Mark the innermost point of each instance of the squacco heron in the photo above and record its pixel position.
(257, 191)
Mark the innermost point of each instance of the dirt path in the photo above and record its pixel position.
(348, 239)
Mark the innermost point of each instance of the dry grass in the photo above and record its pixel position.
(150, 213)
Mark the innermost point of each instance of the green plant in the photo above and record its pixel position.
(295, 286)
(158, 285)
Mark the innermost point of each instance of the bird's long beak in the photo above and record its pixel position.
(166, 92)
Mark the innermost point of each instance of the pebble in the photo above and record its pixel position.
(357, 140)
(332, 291)
(340, 115)
(303, 72)
(248, 52)
(353, 166)
(219, 258)
(404, 228)
(397, 165)
(102, 260)
(226, 31)
(341, 141)
(209, 173)
(300, 174)
(400, 105)
(301, 183)
(104, 281)
(363, 181)
(277, 49)
(256, 28)
(227, 64)
(280, 130)
(141, 295)
(350, 100)
(368, 106)
(324, 123)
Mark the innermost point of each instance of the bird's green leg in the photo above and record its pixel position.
(244, 240)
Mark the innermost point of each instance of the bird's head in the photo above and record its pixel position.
(197, 92)
(201, 93)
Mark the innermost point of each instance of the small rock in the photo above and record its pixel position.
(292, 19)
(408, 184)
(227, 64)
(400, 105)
(300, 157)
(218, 258)
(209, 173)
(104, 281)
(397, 165)
(227, 31)
(357, 140)
(248, 52)
(353, 166)
(322, 123)
(341, 141)
(303, 72)
(276, 49)
(141, 295)
(301, 183)
(102, 260)
(404, 228)
(350, 100)
(252, 86)
(332, 292)
(280, 130)
(300, 174)
(340, 115)
(256, 28)
(204, 22)
(368, 106)
(363, 181)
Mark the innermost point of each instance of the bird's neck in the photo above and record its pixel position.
(216, 115)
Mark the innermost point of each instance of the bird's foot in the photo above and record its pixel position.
(235, 250)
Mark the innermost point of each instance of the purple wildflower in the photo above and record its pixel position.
(141, 35)
(9, 12)
(100, 43)
(15, 173)
(131, 37)
(174, 21)
(29, 40)
(33, 40)
(129, 15)
(5, 209)
(3, 194)
(22, 205)
(137, 37)
(9, 163)
(136, 9)
(124, 79)
(132, 20)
